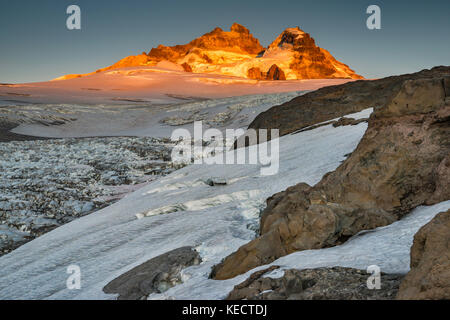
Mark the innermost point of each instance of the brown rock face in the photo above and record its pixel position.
(336, 101)
(186, 67)
(238, 39)
(335, 283)
(402, 161)
(429, 277)
(256, 73)
(275, 73)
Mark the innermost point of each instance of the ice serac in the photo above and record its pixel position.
(293, 55)
(402, 161)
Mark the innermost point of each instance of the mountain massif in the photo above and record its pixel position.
(292, 55)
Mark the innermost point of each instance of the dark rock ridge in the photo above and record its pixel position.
(336, 283)
(402, 161)
(429, 277)
(333, 102)
(154, 276)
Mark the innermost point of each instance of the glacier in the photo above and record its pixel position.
(216, 220)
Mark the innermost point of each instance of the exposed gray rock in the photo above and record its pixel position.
(154, 276)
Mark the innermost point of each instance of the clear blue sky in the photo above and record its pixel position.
(35, 44)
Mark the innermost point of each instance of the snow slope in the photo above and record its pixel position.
(216, 220)
(151, 85)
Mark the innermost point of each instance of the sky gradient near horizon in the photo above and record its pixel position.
(35, 44)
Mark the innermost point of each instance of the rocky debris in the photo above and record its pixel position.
(402, 161)
(274, 73)
(47, 183)
(333, 102)
(336, 283)
(154, 276)
(429, 277)
(348, 121)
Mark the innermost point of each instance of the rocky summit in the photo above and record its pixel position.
(292, 55)
(402, 162)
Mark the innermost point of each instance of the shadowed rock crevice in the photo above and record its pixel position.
(154, 276)
(402, 161)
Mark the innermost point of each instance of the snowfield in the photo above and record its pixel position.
(142, 120)
(181, 209)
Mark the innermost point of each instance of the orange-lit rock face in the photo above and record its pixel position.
(293, 55)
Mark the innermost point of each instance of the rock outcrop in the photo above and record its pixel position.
(429, 277)
(402, 161)
(336, 283)
(293, 55)
(274, 73)
(154, 276)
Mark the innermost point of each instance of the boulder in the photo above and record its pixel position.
(154, 276)
(402, 161)
(429, 277)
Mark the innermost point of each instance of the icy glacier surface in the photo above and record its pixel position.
(186, 211)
